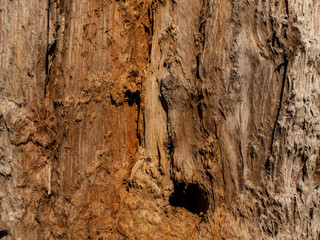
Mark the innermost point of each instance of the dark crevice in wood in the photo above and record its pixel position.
(3, 233)
(285, 65)
(47, 52)
(189, 196)
(287, 7)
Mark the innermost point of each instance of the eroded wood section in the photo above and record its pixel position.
(159, 119)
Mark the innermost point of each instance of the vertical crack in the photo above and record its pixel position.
(50, 51)
(287, 7)
(198, 67)
(285, 65)
(47, 55)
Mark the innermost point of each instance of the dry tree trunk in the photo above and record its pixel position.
(159, 119)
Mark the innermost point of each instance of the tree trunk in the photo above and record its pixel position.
(159, 119)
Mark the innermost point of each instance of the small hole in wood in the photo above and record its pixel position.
(189, 196)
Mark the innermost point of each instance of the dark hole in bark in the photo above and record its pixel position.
(189, 196)
(133, 98)
(3, 233)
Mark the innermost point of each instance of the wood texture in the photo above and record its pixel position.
(158, 119)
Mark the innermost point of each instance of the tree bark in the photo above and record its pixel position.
(159, 119)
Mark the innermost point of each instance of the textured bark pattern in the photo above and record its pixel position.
(159, 119)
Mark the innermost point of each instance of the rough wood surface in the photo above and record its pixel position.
(159, 119)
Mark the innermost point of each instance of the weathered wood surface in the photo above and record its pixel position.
(159, 119)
